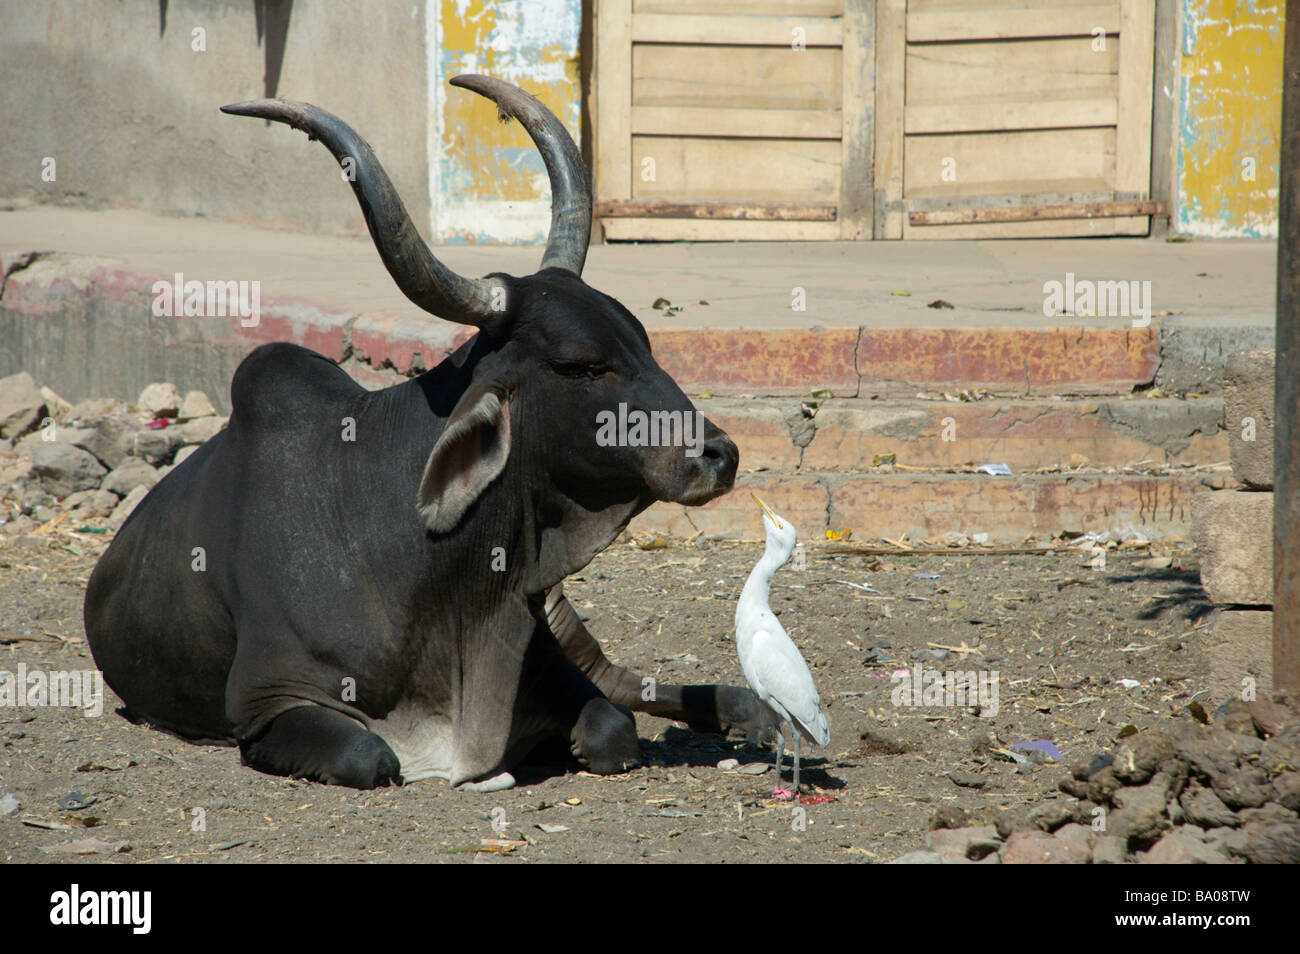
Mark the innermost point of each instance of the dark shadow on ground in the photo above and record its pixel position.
(1185, 598)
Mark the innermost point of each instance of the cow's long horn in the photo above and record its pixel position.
(566, 247)
(418, 273)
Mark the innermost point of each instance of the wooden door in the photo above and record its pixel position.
(712, 124)
(1013, 118)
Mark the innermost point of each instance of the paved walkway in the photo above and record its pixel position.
(989, 283)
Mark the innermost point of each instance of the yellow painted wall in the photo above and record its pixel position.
(489, 183)
(1230, 108)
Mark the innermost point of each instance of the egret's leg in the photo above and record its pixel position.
(795, 787)
(778, 791)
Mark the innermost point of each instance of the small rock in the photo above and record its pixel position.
(1229, 840)
(1267, 815)
(918, 858)
(967, 780)
(1040, 848)
(1202, 807)
(1077, 834)
(1010, 820)
(22, 405)
(1247, 788)
(1183, 846)
(95, 407)
(52, 434)
(1286, 790)
(1205, 757)
(930, 655)
(64, 469)
(200, 430)
(1100, 787)
(1137, 760)
(196, 404)
(879, 742)
(948, 815)
(1140, 811)
(1235, 716)
(157, 447)
(128, 476)
(970, 843)
(1267, 717)
(128, 504)
(1272, 844)
(1050, 815)
(159, 400)
(1109, 850)
(94, 503)
(729, 765)
(1086, 768)
(1280, 754)
(9, 804)
(112, 439)
(36, 499)
(55, 405)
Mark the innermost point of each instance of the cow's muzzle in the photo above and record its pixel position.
(713, 472)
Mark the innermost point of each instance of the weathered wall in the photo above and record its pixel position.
(1229, 118)
(117, 94)
(488, 182)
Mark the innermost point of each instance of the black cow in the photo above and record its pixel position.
(361, 587)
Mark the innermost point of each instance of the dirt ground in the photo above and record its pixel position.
(1059, 634)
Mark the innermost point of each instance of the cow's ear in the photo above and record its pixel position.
(470, 454)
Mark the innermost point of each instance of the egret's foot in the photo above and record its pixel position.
(782, 794)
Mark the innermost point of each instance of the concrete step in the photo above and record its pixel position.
(776, 434)
(929, 506)
(877, 318)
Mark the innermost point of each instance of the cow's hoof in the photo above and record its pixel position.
(604, 738)
(738, 709)
(370, 763)
(318, 743)
(495, 783)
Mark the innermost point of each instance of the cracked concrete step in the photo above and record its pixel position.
(58, 308)
(774, 434)
(928, 506)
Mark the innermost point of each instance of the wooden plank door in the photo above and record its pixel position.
(1013, 118)
(713, 124)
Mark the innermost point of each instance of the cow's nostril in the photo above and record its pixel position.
(722, 458)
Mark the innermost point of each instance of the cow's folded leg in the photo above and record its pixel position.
(703, 708)
(314, 742)
(602, 734)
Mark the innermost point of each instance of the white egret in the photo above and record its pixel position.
(769, 658)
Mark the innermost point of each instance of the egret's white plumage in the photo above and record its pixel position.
(769, 658)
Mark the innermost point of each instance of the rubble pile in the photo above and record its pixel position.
(1187, 793)
(95, 460)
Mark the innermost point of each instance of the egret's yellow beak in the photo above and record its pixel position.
(768, 510)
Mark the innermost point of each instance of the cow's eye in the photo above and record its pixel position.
(578, 369)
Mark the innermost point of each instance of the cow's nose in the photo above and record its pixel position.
(721, 457)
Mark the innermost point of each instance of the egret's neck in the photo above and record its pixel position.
(760, 578)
